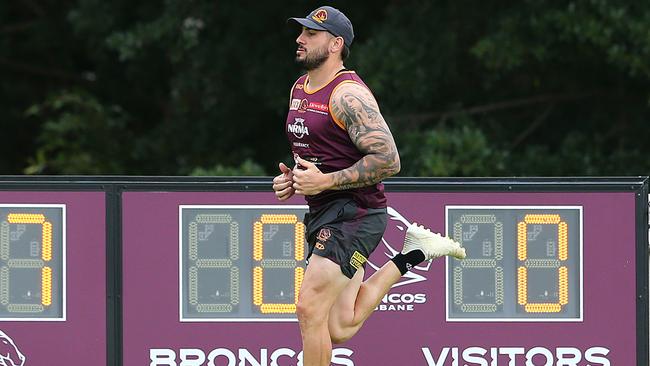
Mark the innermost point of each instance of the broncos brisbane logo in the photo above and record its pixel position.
(320, 15)
(396, 224)
(10, 355)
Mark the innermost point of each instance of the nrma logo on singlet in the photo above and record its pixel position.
(298, 128)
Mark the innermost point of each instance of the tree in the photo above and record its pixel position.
(491, 88)
(557, 88)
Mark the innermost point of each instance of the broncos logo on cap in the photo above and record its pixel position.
(320, 15)
(9, 354)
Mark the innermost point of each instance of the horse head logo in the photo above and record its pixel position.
(397, 225)
(10, 355)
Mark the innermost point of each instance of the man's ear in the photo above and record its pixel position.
(337, 45)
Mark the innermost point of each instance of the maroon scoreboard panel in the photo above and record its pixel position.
(206, 271)
(53, 274)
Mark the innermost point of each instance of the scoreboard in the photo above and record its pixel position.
(31, 262)
(524, 263)
(241, 262)
(206, 271)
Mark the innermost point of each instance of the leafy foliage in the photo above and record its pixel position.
(534, 87)
(462, 150)
(246, 168)
(75, 137)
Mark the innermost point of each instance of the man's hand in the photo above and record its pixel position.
(283, 183)
(311, 180)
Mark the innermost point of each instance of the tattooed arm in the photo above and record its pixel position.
(355, 107)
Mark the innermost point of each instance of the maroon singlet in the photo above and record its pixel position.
(315, 136)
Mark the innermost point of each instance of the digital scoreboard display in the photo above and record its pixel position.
(200, 271)
(545, 272)
(53, 274)
(246, 263)
(241, 262)
(522, 264)
(32, 257)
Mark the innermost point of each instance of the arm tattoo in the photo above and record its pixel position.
(355, 106)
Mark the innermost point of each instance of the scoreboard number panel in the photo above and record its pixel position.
(53, 273)
(32, 262)
(241, 263)
(524, 263)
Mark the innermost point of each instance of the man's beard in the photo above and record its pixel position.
(314, 60)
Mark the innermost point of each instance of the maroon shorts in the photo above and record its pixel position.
(344, 233)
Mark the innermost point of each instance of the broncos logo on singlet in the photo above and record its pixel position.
(10, 355)
(396, 227)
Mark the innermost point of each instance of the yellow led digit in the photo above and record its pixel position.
(278, 308)
(299, 244)
(522, 241)
(299, 274)
(299, 249)
(522, 286)
(543, 308)
(262, 263)
(279, 219)
(32, 261)
(258, 252)
(47, 241)
(542, 219)
(258, 241)
(46, 256)
(258, 286)
(563, 241)
(46, 286)
(562, 254)
(14, 218)
(563, 276)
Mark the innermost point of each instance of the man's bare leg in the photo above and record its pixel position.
(358, 300)
(321, 286)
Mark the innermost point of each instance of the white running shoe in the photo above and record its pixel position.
(433, 245)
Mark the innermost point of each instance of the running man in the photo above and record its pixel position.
(342, 149)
